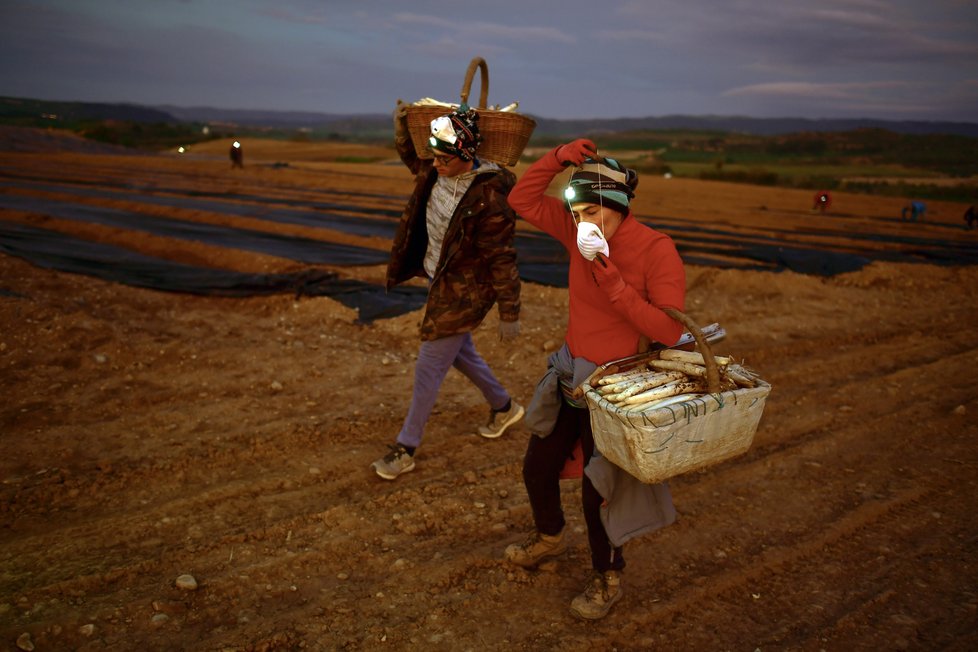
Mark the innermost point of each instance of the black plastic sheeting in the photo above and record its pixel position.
(773, 251)
(303, 250)
(54, 250)
(307, 213)
(545, 259)
(541, 258)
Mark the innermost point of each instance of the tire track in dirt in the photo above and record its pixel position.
(880, 513)
(775, 580)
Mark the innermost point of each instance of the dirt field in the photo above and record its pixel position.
(145, 435)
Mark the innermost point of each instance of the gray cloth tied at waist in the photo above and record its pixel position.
(541, 414)
(631, 507)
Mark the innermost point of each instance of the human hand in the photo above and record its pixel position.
(400, 110)
(508, 330)
(575, 152)
(400, 120)
(607, 276)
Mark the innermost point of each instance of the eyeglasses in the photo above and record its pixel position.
(444, 160)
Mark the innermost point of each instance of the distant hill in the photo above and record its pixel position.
(15, 109)
(352, 123)
(36, 112)
(274, 119)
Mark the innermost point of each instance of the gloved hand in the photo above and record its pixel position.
(590, 240)
(608, 277)
(575, 152)
(400, 120)
(508, 330)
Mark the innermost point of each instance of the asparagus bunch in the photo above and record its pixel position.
(675, 376)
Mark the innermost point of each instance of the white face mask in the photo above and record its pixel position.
(590, 240)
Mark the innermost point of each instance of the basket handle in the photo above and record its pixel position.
(712, 372)
(480, 63)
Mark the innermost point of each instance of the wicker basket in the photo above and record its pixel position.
(504, 133)
(658, 444)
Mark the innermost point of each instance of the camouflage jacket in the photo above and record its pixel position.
(477, 267)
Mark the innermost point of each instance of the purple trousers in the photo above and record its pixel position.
(435, 358)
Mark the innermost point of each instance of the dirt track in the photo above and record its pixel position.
(147, 435)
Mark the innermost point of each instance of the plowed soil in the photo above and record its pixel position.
(146, 435)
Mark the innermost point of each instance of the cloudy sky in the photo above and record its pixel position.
(900, 59)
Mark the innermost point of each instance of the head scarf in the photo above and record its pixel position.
(456, 133)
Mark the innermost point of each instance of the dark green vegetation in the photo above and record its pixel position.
(874, 161)
(115, 124)
(868, 160)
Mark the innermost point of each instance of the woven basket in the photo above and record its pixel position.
(654, 445)
(504, 133)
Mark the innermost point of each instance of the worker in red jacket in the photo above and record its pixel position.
(621, 275)
(822, 201)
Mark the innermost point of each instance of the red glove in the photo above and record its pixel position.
(575, 152)
(608, 277)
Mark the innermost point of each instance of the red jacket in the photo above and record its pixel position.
(598, 328)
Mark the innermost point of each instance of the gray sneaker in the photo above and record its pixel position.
(535, 549)
(396, 462)
(603, 590)
(499, 421)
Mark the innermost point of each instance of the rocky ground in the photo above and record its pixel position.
(147, 435)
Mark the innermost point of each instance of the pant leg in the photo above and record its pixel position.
(470, 363)
(545, 457)
(604, 556)
(435, 357)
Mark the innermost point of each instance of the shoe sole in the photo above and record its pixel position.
(506, 424)
(601, 615)
(393, 476)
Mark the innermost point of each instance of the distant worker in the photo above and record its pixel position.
(970, 217)
(237, 156)
(823, 200)
(915, 210)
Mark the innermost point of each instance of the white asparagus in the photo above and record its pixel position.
(650, 383)
(638, 379)
(669, 389)
(693, 357)
(611, 379)
(665, 402)
(741, 376)
(687, 368)
(618, 385)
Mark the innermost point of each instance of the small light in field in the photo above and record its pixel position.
(181, 149)
(237, 144)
